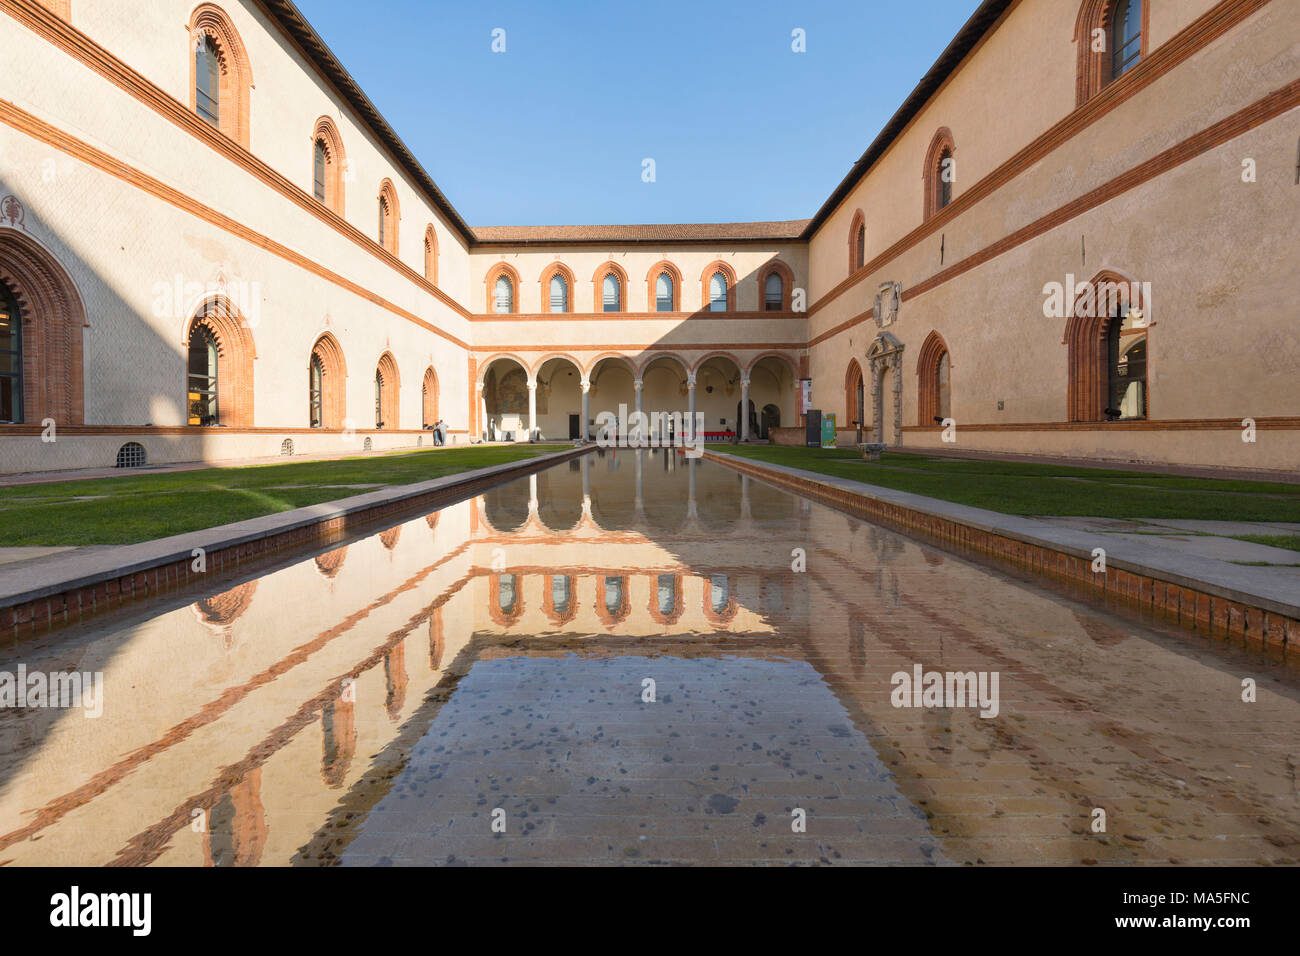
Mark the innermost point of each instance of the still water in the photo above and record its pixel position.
(623, 659)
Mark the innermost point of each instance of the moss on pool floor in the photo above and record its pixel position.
(1021, 488)
(141, 506)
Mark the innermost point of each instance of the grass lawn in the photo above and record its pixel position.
(141, 506)
(1030, 489)
(1289, 541)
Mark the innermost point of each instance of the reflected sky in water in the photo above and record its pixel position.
(383, 701)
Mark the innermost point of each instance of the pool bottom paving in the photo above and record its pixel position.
(634, 659)
(578, 767)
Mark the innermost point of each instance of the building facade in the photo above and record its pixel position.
(1075, 237)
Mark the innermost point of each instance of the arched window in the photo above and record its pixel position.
(718, 293)
(940, 171)
(1125, 37)
(207, 80)
(11, 357)
(389, 216)
(430, 254)
(611, 293)
(1110, 38)
(203, 409)
(773, 293)
(857, 242)
(1107, 362)
(559, 294)
(429, 398)
(387, 386)
(934, 402)
(503, 295)
(327, 165)
(561, 593)
(664, 298)
(222, 76)
(316, 392)
(326, 373)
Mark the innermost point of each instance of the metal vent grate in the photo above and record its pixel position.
(131, 455)
(367, 445)
(286, 448)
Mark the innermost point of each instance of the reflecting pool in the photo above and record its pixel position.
(634, 658)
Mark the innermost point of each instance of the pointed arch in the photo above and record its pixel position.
(857, 241)
(598, 283)
(706, 277)
(651, 282)
(1086, 337)
(855, 394)
(1093, 66)
(429, 398)
(235, 352)
(390, 216)
(327, 182)
(566, 275)
(489, 289)
(786, 274)
(942, 147)
(430, 254)
(236, 74)
(52, 320)
(331, 402)
(931, 384)
(387, 391)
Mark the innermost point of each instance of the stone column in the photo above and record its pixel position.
(744, 408)
(532, 497)
(640, 501)
(744, 498)
(586, 409)
(532, 411)
(691, 512)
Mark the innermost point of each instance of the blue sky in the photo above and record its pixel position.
(554, 130)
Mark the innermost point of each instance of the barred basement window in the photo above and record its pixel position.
(286, 448)
(131, 455)
(367, 445)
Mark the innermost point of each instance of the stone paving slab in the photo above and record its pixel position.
(688, 789)
(1271, 589)
(1215, 548)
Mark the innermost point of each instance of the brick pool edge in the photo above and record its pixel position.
(84, 585)
(1255, 621)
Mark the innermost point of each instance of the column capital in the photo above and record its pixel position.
(586, 386)
(636, 384)
(744, 381)
(532, 385)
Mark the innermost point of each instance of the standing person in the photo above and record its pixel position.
(440, 433)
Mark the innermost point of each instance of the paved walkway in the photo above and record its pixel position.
(1217, 540)
(1181, 471)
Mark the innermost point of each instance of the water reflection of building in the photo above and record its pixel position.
(280, 735)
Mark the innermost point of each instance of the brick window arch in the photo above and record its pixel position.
(221, 95)
(429, 398)
(430, 254)
(857, 240)
(609, 296)
(855, 396)
(719, 603)
(387, 388)
(327, 374)
(666, 598)
(708, 288)
(561, 612)
(557, 298)
(939, 172)
(772, 302)
(220, 389)
(47, 323)
(1099, 40)
(505, 598)
(933, 397)
(653, 287)
(498, 300)
(328, 162)
(390, 216)
(612, 600)
(1106, 338)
